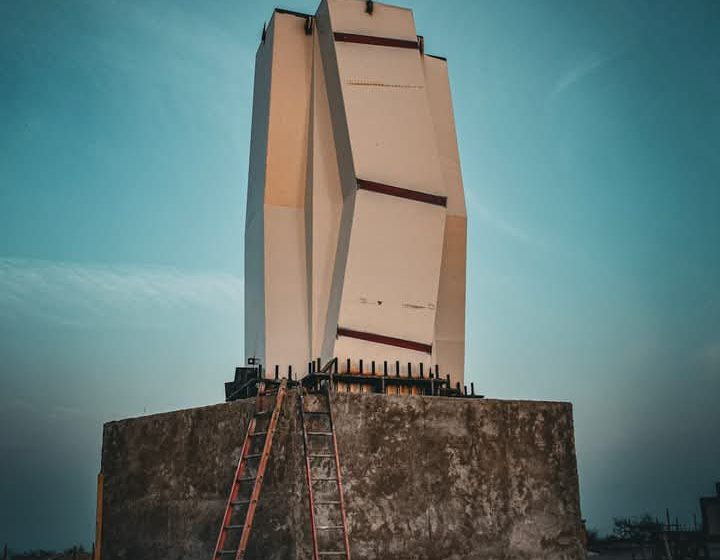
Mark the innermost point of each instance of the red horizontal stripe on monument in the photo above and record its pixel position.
(377, 41)
(402, 193)
(388, 340)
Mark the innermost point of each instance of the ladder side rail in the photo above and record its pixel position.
(338, 474)
(308, 476)
(235, 488)
(257, 487)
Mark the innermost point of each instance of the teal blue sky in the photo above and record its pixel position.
(589, 133)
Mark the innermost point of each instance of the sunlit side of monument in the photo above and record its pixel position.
(356, 226)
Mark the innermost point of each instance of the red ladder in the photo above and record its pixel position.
(240, 512)
(322, 429)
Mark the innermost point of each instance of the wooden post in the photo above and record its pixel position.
(98, 517)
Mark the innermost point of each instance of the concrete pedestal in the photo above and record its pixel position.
(424, 477)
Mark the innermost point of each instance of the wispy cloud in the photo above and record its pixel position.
(591, 64)
(500, 224)
(493, 219)
(87, 294)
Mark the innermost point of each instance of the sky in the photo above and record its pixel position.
(589, 134)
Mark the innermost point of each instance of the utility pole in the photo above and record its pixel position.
(5, 552)
(665, 535)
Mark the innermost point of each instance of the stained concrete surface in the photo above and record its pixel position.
(425, 478)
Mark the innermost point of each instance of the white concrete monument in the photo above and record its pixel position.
(355, 242)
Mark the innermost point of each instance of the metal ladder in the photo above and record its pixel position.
(240, 509)
(328, 520)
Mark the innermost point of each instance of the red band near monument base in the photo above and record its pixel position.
(377, 41)
(389, 340)
(400, 192)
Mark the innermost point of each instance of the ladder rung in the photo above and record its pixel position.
(319, 433)
(328, 502)
(316, 412)
(321, 456)
(240, 503)
(331, 553)
(233, 527)
(256, 434)
(253, 455)
(224, 552)
(328, 527)
(262, 412)
(324, 478)
(246, 478)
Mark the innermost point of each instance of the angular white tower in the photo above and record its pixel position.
(356, 225)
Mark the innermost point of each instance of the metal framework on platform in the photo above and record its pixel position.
(359, 377)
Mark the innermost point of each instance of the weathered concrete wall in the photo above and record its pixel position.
(425, 478)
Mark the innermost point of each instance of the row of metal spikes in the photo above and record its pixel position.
(315, 367)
